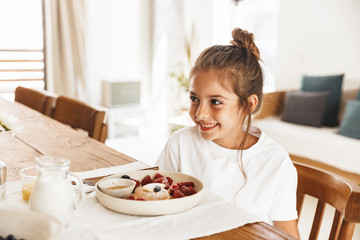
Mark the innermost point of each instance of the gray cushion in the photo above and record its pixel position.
(306, 108)
(326, 83)
(350, 125)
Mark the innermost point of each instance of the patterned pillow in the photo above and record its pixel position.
(326, 83)
(306, 108)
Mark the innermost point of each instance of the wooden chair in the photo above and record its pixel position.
(332, 189)
(41, 101)
(80, 115)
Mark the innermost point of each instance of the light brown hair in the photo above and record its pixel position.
(238, 67)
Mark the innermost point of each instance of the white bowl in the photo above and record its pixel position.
(29, 225)
(156, 207)
(116, 186)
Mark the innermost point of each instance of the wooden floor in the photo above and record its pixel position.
(351, 176)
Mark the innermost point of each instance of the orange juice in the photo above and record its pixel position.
(26, 190)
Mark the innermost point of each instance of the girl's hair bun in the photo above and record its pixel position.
(244, 39)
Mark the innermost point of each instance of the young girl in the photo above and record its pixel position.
(238, 162)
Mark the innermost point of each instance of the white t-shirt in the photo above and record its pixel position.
(270, 190)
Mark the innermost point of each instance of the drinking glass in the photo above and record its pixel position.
(3, 169)
(28, 177)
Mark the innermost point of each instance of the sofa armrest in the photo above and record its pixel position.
(272, 105)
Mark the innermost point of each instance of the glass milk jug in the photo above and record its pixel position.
(54, 193)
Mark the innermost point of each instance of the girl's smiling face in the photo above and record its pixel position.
(215, 110)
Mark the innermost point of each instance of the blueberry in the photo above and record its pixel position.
(157, 188)
(125, 176)
(10, 237)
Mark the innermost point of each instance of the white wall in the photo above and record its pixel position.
(314, 37)
(118, 43)
(318, 37)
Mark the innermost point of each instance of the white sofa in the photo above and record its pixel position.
(322, 147)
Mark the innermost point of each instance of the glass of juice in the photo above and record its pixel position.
(28, 177)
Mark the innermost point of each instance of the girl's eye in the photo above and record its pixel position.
(194, 99)
(215, 102)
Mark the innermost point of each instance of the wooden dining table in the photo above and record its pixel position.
(42, 135)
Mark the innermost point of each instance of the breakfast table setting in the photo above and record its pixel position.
(92, 220)
(96, 215)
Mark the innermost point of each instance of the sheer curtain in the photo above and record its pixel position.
(65, 47)
(168, 50)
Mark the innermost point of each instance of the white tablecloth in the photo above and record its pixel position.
(93, 221)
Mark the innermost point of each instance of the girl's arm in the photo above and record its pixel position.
(289, 227)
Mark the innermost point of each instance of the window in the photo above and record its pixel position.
(257, 16)
(21, 46)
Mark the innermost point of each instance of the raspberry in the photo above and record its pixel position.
(131, 197)
(169, 180)
(193, 191)
(140, 199)
(185, 190)
(178, 194)
(158, 175)
(147, 179)
(163, 181)
(188, 184)
(137, 182)
(167, 184)
(159, 180)
(173, 188)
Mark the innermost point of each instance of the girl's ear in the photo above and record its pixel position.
(252, 101)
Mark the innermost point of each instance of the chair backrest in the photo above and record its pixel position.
(332, 189)
(41, 101)
(78, 114)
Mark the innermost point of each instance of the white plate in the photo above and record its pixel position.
(152, 208)
(29, 225)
